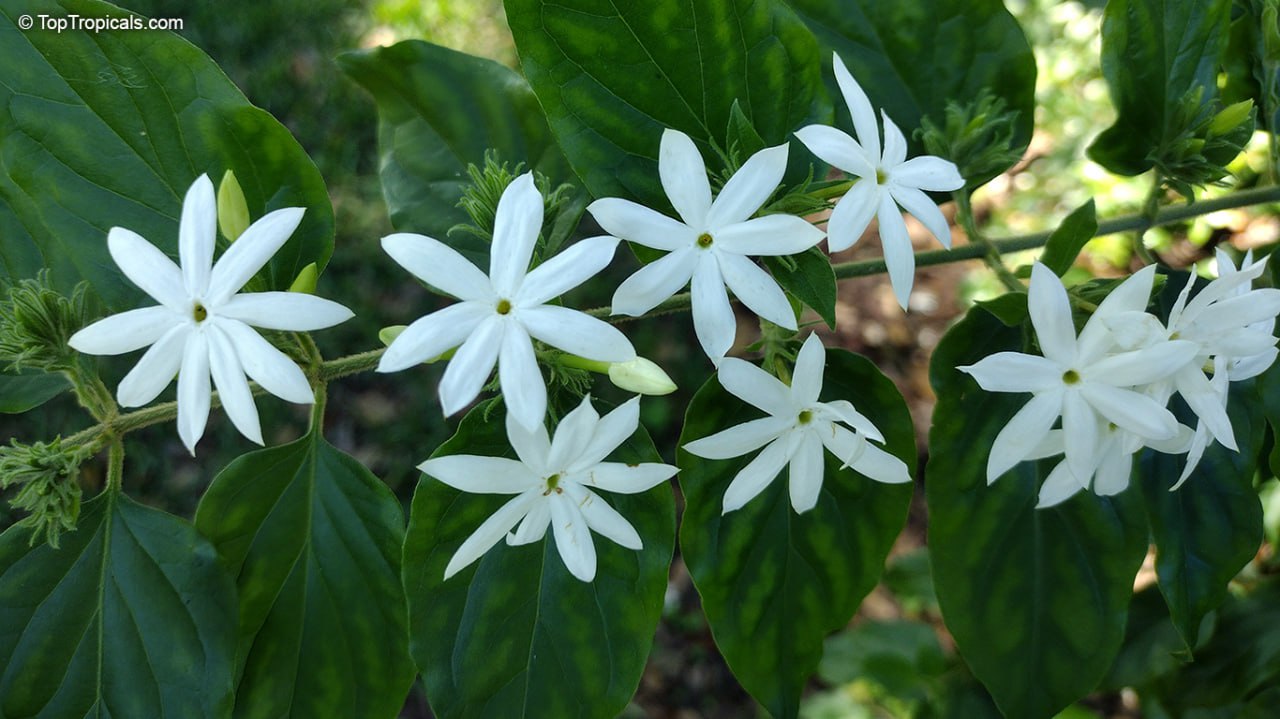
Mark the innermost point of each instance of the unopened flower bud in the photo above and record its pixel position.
(305, 282)
(233, 211)
(1230, 117)
(641, 376)
(387, 335)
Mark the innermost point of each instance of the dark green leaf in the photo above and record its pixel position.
(900, 656)
(27, 390)
(515, 635)
(132, 617)
(110, 129)
(1155, 53)
(914, 57)
(1010, 308)
(813, 281)
(774, 583)
(612, 76)
(1152, 646)
(438, 111)
(1066, 242)
(313, 539)
(1035, 598)
(742, 137)
(1268, 384)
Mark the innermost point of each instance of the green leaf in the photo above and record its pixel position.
(110, 129)
(911, 58)
(612, 76)
(1268, 385)
(438, 111)
(515, 635)
(774, 583)
(1035, 598)
(313, 539)
(813, 281)
(1152, 646)
(27, 390)
(1154, 53)
(132, 617)
(1010, 308)
(901, 656)
(1066, 242)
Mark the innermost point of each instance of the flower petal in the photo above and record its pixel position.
(471, 365)
(610, 432)
(1208, 405)
(713, 319)
(806, 473)
(927, 172)
(895, 145)
(852, 214)
(1131, 410)
(605, 520)
(1023, 433)
(844, 445)
(655, 282)
(842, 410)
(837, 149)
(1130, 296)
(573, 537)
(433, 335)
(482, 475)
(149, 268)
(516, 225)
(266, 365)
(532, 446)
(1058, 487)
(292, 311)
(196, 235)
(155, 370)
(626, 478)
(756, 289)
(1015, 372)
(125, 332)
(759, 472)
(922, 208)
(439, 265)
(877, 464)
(684, 178)
(233, 388)
(534, 526)
(491, 531)
(250, 252)
(740, 439)
(573, 434)
(193, 391)
(749, 188)
(1113, 473)
(566, 270)
(1081, 434)
(576, 333)
(806, 378)
(1051, 315)
(1144, 366)
(864, 118)
(756, 387)
(768, 236)
(636, 223)
(898, 253)
(523, 389)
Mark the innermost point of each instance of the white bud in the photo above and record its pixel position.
(641, 376)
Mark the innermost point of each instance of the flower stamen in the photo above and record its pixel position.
(805, 416)
(199, 312)
(1070, 377)
(704, 240)
(504, 307)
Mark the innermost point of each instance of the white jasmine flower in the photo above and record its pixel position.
(553, 482)
(201, 326)
(1079, 379)
(796, 430)
(1248, 364)
(501, 314)
(1113, 462)
(712, 246)
(887, 181)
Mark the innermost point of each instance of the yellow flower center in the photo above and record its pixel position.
(704, 240)
(805, 417)
(1070, 376)
(553, 485)
(504, 306)
(199, 312)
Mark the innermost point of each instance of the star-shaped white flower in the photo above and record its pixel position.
(201, 326)
(501, 314)
(712, 246)
(553, 482)
(1079, 379)
(796, 430)
(887, 180)
(1113, 462)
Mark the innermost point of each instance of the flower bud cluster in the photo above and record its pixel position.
(46, 475)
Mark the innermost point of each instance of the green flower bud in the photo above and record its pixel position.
(387, 335)
(46, 476)
(641, 376)
(1231, 117)
(233, 211)
(35, 323)
(305, 282)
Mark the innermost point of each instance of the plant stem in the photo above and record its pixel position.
(317, 409)
(115, 465)
(1150, 211)
(964, 213)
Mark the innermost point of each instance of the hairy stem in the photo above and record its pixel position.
(992, 258)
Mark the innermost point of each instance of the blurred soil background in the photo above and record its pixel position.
(895, 656)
